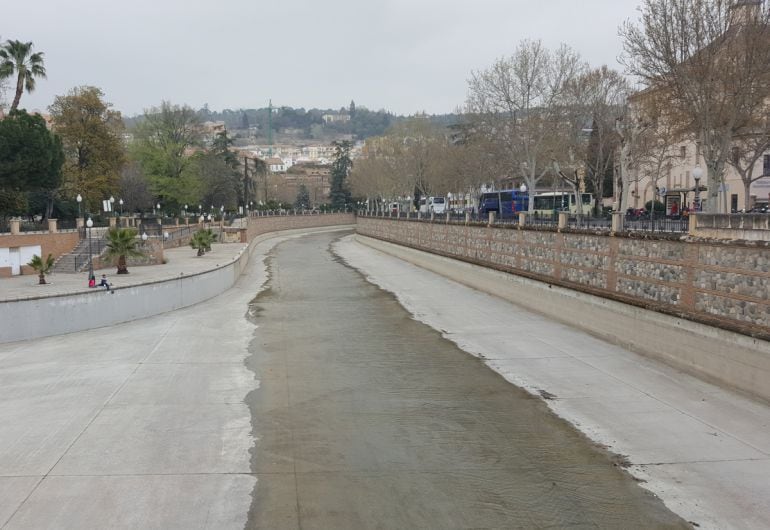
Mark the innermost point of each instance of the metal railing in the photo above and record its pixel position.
(575, 222)
(33, 226)
(662, 224)
(584, 222)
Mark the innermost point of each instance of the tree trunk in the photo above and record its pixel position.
(746, 194)
(122, 267)
(42, 279)
(19, 90)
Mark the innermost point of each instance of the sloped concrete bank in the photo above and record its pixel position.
(727, 358)
(68, 313)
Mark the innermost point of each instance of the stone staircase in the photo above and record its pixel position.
(77, 260)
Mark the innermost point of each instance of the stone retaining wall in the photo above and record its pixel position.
(263, 225)
(699, 280)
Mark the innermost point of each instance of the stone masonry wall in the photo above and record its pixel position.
(262, 225)
(687, 277)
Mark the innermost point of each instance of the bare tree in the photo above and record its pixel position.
(747, 151)
(586, 140)
(648, 135)
(517, 104)
(134, 188)
(711, 60)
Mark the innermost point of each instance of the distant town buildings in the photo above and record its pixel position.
(336, 118)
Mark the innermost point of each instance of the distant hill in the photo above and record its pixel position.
(310, 125)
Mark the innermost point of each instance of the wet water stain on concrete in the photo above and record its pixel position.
(366, 418)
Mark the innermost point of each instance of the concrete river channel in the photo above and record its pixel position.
(305, 397)
(366, 418)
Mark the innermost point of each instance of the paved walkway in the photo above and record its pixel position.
(179, 261)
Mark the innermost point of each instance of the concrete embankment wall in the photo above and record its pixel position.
(687, 339)
(54, 315)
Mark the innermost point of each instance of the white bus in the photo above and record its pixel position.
(436, 204)
(562, 201)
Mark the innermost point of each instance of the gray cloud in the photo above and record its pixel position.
(402, 55)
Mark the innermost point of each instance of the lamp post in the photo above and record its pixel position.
(112, 202)
(121, 207)
(79, 198)
(697, 174)
(89, 225)
(144, 238)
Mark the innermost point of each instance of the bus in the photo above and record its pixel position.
(506, 203)
(436, 204)
(432, 204)
(561, 201)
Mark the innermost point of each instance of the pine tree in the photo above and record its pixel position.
(339, 195)
(302, 202)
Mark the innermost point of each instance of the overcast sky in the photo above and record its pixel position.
(401, 55)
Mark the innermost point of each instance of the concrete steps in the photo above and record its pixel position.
(77, 260)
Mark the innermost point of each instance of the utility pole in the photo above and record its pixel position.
(245, 182)
(270, 129)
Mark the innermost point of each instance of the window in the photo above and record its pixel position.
(736, 154)
(683, 152)
(766, 171)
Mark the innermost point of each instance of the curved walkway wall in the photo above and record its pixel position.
(55, 315)
(702, 307)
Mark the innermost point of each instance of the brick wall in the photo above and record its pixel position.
(724, 284)
(57, 244)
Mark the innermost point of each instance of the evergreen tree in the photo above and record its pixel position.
(302, 202)
(31, 157)
(339, 195)
(244, 121)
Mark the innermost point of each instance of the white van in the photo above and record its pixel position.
(437, 204)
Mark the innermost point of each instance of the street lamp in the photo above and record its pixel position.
(79, 198)
(112, 202)
(89, 225)
(121, 207)
(697, 174)
(144, 238)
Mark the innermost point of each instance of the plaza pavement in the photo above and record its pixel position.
(179, 261)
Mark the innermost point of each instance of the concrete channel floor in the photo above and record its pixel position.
(148, 424)
(704, 450)
(376, 421)
(140, 425)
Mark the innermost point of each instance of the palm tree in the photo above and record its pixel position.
(42, 267)
(16, 57)
(201, 240)
(122, 244)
